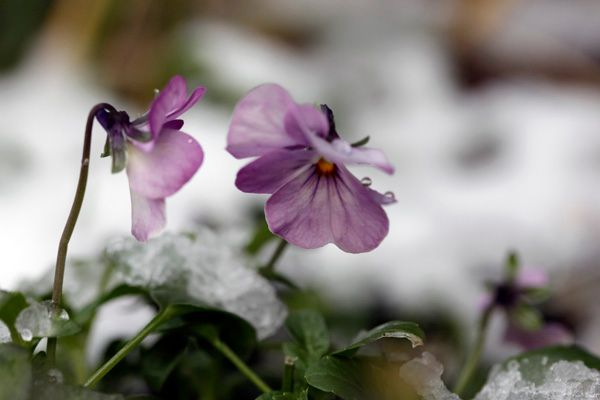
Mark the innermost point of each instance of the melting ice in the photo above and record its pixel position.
(563, 380)
(206, 268)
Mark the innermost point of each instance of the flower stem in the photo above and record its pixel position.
(268, 271)
(61, 257)
(161, 317)
(240, 365)
(270, 267)
(473, 360)
(287, 384)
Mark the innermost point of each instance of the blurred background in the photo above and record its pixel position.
(489, 109)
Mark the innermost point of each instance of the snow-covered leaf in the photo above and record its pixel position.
(198, 269)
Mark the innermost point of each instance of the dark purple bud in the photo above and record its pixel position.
(506, 295)
(115, 123)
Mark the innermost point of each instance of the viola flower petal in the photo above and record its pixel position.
(341, 152)
(193, 98)
(358, 222)
(299, 211)
(271, 171)
(305, 121)
(312, 210)
(531, 278)
(170, 103)
(147, 216)
(382, 198)
(266, 119)
(172, 162)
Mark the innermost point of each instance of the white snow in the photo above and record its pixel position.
(201, 266)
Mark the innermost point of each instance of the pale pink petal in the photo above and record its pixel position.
(341, 152)
(359, 223)
(382, 198)
(267, 118)
(303, 121)
(312, 210)
(299, 211)
(193, 98)
(532, 278)
(147, 216)
(171, 102)
(172, 162)
(271, 171)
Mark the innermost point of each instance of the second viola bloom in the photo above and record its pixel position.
(158, 157)
(302, 163)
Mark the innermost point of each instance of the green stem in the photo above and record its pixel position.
(473, 360)
(240, 365)
(270, 267)
(161, 317)
(59, 271)
(287, 384)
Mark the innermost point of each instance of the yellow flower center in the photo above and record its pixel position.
(325, 167)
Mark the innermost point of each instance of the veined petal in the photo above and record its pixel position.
(382, 198)
(147, 216)
(299, 211)
(341, 152)
(272, 170)
(313, 209)
(266, 119)
(358, 222)
(170, 103)
(172, 162)
(304, 121)
(192, 99)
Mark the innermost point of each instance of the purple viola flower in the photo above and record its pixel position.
(301, 161)
(158, 157)
(519, 297)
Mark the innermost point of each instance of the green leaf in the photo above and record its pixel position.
(392, 329)
(284, 396)
(527, 317)
(11, 304)
(533, 364)
(261, 236)
(198, 270)
(158, 362)
(52, 391)
(142, 397)
(337, 375)
(310, 334)
(361, 142)
(203, 321)
(512, 265)
(15, 373)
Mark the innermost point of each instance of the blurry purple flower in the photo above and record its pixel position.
(158, 157)
(302, 163)
(549, 333)
(527, 326)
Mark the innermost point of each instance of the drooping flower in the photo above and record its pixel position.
(519, 297)
(158, 157)
(301, 161)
